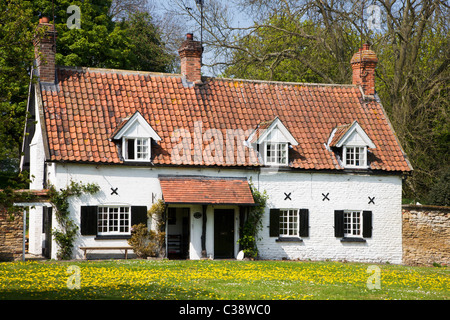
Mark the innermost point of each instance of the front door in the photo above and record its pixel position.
(223, 233)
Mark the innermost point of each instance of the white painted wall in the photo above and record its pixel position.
(37, 159)
(135, 187)
(346, 191)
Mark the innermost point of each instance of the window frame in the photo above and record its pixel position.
(353, 231)
(281, 223)
(276, 154)
(108, 219)
(363, 161)
(136, 146)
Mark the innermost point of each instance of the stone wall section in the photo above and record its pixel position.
(426, 235)
(11, 235)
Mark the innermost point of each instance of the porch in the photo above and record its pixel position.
(204, 215)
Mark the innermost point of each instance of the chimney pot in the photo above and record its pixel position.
(190, 36)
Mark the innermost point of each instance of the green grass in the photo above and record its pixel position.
(164, 279)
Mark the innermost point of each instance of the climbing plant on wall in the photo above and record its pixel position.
(67, 232)
(253, 223)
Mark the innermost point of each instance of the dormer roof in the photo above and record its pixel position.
(272, 130)
(350, 134)
(135, 126)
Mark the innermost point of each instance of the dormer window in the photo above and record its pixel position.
(352, 143)
(136, 135)
(272, 139)
(276, 153)
(355, 157)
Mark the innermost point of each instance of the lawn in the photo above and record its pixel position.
(211, 280)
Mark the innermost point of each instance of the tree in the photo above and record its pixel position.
(16, 58)
(147, 51)
(279, 53)
(100, 42)
(103, 42)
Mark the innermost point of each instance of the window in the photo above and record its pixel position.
(355, 156)
(288, 223)
(276, 153)
(113, 220)
(137, 149)
(352, 224)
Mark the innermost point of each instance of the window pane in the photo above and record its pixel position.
(352, 223)
(350, 156)
(288, 222)
(113, 220)
(142, 149)
(276, 153)
(130, 149)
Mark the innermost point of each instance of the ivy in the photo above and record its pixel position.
(67, 233)
(253, 223)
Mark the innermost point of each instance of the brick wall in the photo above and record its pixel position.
(44, 50)
(426, 235)
(11, 233)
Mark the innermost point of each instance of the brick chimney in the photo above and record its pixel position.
(363, 64)
(191, 59)
(44, 50)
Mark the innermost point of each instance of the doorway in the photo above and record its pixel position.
(178, 235)
(223, 233)
(47, 231)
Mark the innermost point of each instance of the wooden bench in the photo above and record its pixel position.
(86, 249)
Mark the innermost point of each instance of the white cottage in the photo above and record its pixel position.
(326, 154)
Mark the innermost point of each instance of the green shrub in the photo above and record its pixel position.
(143, 241)
(150, 243)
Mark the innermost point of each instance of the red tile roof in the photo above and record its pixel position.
(88, 105)
(203, 190)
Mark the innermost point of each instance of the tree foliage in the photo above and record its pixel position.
(15, 61)
(131, 42)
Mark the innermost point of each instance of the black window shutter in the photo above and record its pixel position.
(304, 223)
(339, 223)
(88, 225)
(138, 215)
(274, 229)
(367, 224)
